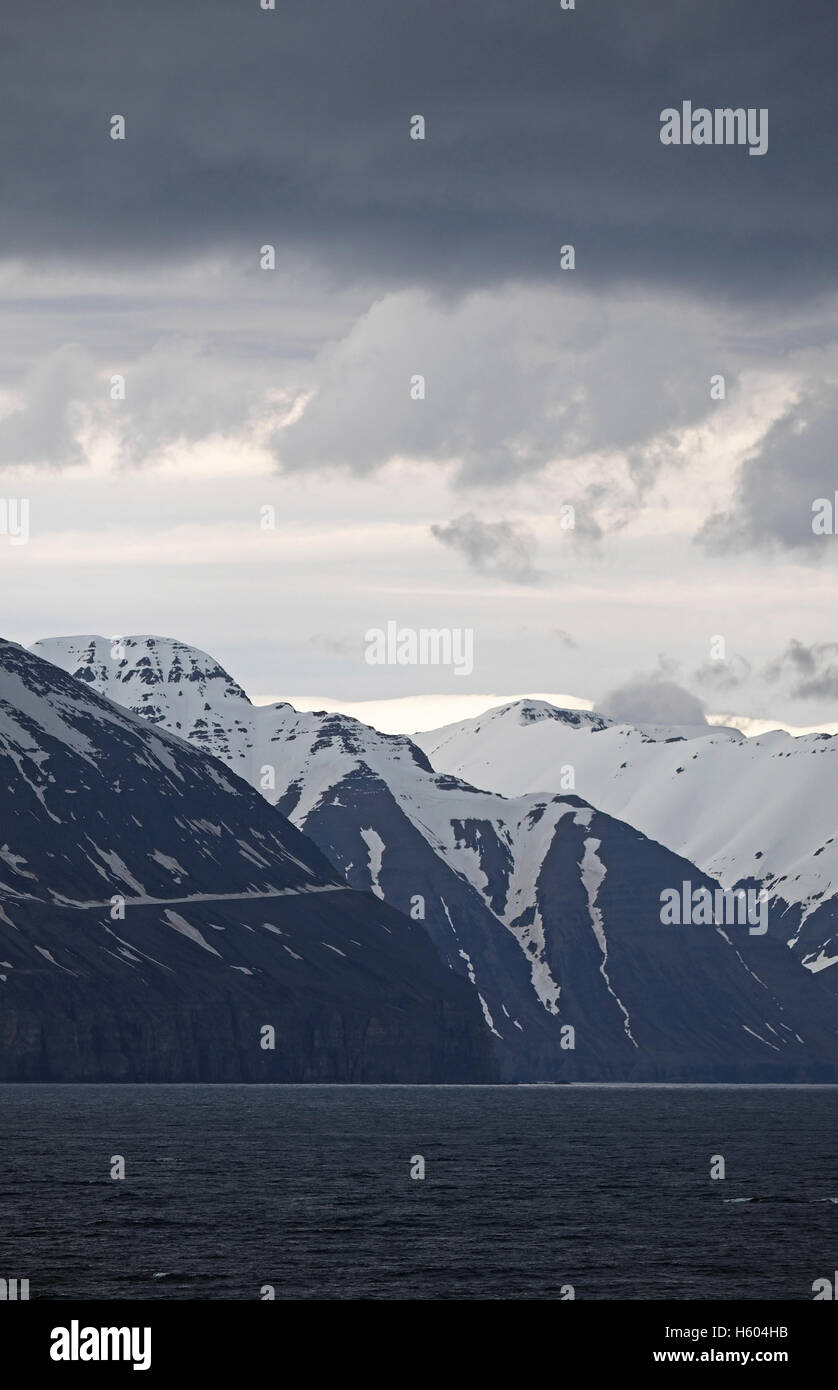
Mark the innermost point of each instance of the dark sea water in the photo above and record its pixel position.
(527, 1189)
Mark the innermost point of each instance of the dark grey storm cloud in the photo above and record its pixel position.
(247, 126)
(652, 700)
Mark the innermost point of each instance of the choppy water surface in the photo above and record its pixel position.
(527, 1189)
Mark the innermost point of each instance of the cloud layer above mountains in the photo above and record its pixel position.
(441, 259)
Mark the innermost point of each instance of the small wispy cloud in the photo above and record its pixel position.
(502, 548)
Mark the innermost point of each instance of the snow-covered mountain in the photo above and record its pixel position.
(167, 683)
(156, 914)
(759, 809)
(550, 908)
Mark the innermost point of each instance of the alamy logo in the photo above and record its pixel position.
(76, 1343)
(424, 646)
(12, 1290)
(704, 907)
(14, 519)
(722, 126)
(825, 515)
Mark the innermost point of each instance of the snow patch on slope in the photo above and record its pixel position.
(593, 875)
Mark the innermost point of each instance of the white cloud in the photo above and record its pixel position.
(515, 378)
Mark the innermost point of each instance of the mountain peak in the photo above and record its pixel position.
(529, 711)
(153, 672)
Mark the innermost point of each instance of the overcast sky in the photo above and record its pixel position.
(545, 388)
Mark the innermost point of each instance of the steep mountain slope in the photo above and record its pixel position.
(757, 810)
(156, 914)
(550, 908)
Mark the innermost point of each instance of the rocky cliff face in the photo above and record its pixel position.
(160, 921)
(326, 988)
